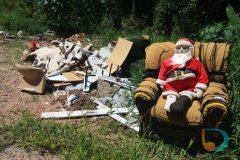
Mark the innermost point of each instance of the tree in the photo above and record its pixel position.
(72, 16)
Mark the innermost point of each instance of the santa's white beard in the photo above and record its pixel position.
(181, 58)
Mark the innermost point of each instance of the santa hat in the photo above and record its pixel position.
(184, 41)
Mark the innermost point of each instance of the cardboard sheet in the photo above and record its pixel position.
(118, 55)
(33, 78)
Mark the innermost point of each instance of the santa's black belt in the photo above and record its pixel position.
(179, 73)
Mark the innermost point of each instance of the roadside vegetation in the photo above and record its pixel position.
(80, 141)
(218, 22)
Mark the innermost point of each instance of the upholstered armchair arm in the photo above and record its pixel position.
(215, 104)
(148, 91)
(145, 97)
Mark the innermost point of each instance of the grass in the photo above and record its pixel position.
(13, 56)
(80, 141)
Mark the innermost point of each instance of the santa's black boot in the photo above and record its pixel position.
(181, 104)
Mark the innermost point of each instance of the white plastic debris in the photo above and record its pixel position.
(70, 103)
(19, 34)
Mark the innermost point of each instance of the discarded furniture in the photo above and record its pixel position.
(208, 112)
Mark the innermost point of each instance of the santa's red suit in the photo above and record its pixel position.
(177, 81)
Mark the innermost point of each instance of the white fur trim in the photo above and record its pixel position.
(201, 85)
(161, 82)
(169, 93)
(190, 94)
(184, 43)
(188, 75)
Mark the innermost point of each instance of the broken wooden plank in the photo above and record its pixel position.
(124, 121)
(82, 113)
(73, 77)
(117, 117)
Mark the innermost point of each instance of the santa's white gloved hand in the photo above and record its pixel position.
(199, 92)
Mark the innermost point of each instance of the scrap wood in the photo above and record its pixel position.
(72, 77)
(83, 113)
(53, 84)
(117, 117)
(79, 73)
(66, 77)
(61, 84)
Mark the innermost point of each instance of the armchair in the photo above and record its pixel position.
(207, 112)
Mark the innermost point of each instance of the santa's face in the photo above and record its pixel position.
(182, 54)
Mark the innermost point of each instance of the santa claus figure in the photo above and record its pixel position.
(182, 77)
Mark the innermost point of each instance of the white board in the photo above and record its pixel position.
(60, 78)
(82, 113)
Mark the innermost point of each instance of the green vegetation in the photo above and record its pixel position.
(162, 18)
(16, 53)
(233, 75)
(81, 141)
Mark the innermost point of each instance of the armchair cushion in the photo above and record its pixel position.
(192, 116)
(216, 96)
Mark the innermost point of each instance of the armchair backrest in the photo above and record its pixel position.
(214, 57)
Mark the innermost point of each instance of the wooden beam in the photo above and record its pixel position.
(82, 113)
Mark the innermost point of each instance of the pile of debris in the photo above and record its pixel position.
(84, 80)
(6, 35)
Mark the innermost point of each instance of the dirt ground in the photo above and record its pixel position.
(12, 100)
